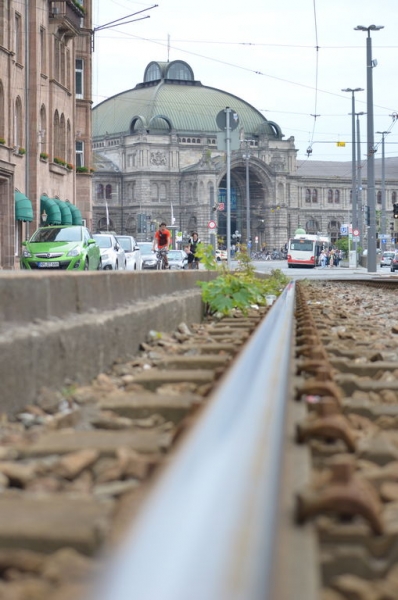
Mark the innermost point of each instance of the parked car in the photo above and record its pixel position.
(64, 247)
(148, 257)
(221, 255)
(178, 259)
(386, 258)
(394, 262)
(132, 252)
(112, 254)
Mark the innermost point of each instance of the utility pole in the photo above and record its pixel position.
(383, 228)
(372, 251)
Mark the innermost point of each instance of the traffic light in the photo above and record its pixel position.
(395, 210)
(368, 216)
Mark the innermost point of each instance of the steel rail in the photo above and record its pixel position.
(207, 531)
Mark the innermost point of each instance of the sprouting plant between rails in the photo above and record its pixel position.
(239, 289)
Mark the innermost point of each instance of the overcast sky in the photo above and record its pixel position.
(290, 59)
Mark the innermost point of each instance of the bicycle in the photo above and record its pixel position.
(161, 260)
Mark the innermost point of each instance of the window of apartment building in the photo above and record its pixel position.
(308, 195)
(69, 155)
(337, 196)
(378, 196)
(108, 191)
(57, 58)
(393, 197)
(43, 129)
(18, 38)
(68, 69)
(79, 72)
(43, 51)
(79, 154)
(330, 196)
(62, 137)
(18, 124)
(62, 77)
(2, 21)
(2, 120)
(314, 196)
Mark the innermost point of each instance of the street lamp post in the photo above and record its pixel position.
(354, 178)
(372, 252)
(383, 228)
(246, 156)
(359, 180)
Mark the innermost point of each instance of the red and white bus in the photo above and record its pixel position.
(304, 250)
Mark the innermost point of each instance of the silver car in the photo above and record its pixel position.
(178, 259)
(132, 252)
(112, 254)
(386, 259)
(148, 256)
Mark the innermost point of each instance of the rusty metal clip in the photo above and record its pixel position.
(344, 494)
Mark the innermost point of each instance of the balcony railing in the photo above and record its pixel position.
(68, 13)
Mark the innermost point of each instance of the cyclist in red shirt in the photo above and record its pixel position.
(162, 240)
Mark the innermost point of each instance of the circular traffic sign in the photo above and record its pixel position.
(212, 225)
(221, 119)
(355, 232)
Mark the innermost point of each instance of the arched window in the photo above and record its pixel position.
(394, 197)
(378, 197)
(56, 135)
(102, 225)
(311, 227)
(314, 196)
(308, 195)
(337, 196)
(108, 191)
(330, 196)
(100, 191)
(62, 138)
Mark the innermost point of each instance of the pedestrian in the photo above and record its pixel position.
(193, 260)
(322, 259)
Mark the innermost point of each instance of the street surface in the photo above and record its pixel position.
(319, 273)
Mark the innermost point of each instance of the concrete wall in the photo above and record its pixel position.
(58, 328)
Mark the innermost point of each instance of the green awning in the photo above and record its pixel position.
(23, 207)
(52, 210)
(76, 214)
(66, 213)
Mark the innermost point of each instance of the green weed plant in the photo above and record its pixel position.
(239, 289)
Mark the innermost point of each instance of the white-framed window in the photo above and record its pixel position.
(79, 75)
(79, 154)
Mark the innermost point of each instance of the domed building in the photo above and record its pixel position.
(159, 155)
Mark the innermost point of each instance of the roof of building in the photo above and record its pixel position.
(170, 99)
(343, 170)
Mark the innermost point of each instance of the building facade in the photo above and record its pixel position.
(45, 118)
(159, 155)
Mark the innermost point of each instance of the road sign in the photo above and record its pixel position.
(355, 232)
(221, 206)
(221, 119)
(212, 225)
(344, 230)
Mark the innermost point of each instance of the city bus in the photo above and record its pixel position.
(304, 250)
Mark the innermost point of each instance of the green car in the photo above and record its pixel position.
(64, 247)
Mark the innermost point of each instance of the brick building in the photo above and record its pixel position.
(45, 118)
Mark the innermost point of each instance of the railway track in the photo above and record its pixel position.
(282, 471)
(76, 465)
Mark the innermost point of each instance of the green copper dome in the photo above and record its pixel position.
(170, 99)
